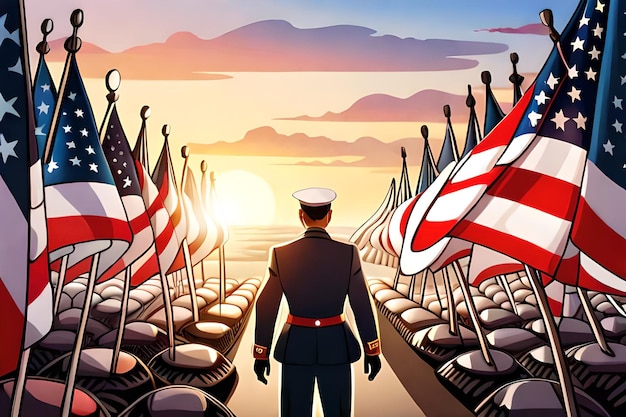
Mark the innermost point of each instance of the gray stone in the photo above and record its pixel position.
(111, 306)
(179, 400)
(79, 299)
(399, 305)
(440, 335)
(111, 292)
(73, 288)
(614, 326)
(61, 340)
(182, 316)
(144, 297)
(498, 317)
(70, 319)
(207, 294)
(527, 311)
(185, 301)
(513, 339)
(238, 300)
(419, 318)
(386, 294)
(135, 333)
(500, 297)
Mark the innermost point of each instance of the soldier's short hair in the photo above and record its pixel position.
(315, 213)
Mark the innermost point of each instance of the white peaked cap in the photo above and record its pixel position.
(315, 197)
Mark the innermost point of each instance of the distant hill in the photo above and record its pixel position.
(276, 45)
(265, 141)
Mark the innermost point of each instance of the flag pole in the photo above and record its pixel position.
(594, 322)
(58, 290)
(504, 283)
(191, 281)
(142, 156)
(203, 168)
(423, 286)
(452, 317)
(471, 308)
(80, 335)
(616, 305)
(516, 79)
(112, 82)
(563, 372)
(72, 45)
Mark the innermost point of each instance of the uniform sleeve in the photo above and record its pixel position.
(361, 304)
(267, 305)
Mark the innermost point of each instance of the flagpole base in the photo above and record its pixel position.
(132, 378)
(198, 366)
(437, 345)
(470, 379)
(43, 397)
(176, 399)
(600, 375)
(535, 397)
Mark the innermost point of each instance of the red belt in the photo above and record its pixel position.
(309, 322)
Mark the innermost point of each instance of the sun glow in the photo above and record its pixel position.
(245, 198)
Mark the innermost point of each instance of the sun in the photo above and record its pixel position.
(245, 198)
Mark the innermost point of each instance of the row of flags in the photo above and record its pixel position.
(544, 186)
(69, 190)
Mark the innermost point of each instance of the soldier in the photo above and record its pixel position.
(316, 274)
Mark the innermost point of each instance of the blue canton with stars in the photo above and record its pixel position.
(44, 100)
(120, 158)
(76, 155)
(15, 116)
(564, 96)
(608, 147)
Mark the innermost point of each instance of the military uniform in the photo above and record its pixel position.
(316, 274)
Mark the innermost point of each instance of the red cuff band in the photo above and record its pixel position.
(260, 352)
(373, 348)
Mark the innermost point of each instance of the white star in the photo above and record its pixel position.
(39, 131)
(7, 107)
(75, 161)
(90, 150)
(7, 148)
(574, 93)
(5, 34)
(622, 78)
(594, 53)
(572, 72)
(581, 121)
(43, 108)
(578, 44)
(534, 118)
(84, 132)
(17, 68)
(591, 74)
(559, 120)
(71, 96)
(127, 182)
(608, 147)
(618, 126)
(624, 56)
(583, 22)
(79, 113)
(617, 102)
(600, 6)
(541, 98)
(93, 167)
(70, 145)
(52, 166)
(67, 129)
(552, 81)
(597, 32)
(45, 87)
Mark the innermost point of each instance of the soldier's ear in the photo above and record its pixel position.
(330, 215)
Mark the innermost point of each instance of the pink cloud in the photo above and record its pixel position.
(530, 29)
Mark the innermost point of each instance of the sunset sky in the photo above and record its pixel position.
(208, 96)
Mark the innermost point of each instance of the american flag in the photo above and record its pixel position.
(449, 150)
(164, 179)
(25, 293)
(165, 240)
(44, 99)
(213, 209)
(85, 212)
(599, 230)
(516, 192)
(206, 237)
(120, 159)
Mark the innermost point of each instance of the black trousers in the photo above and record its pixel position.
(334, 384)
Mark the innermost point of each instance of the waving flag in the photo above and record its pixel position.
(25, 293)
(164, 179)
(449, 151)
(472, 137)
(213, 210)
(493, 111)
(165, 240)
(45, 98)
(120, 159)
(517, 190)
(599, 229)
(205, 239)
(427, 169)
(85, 212)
